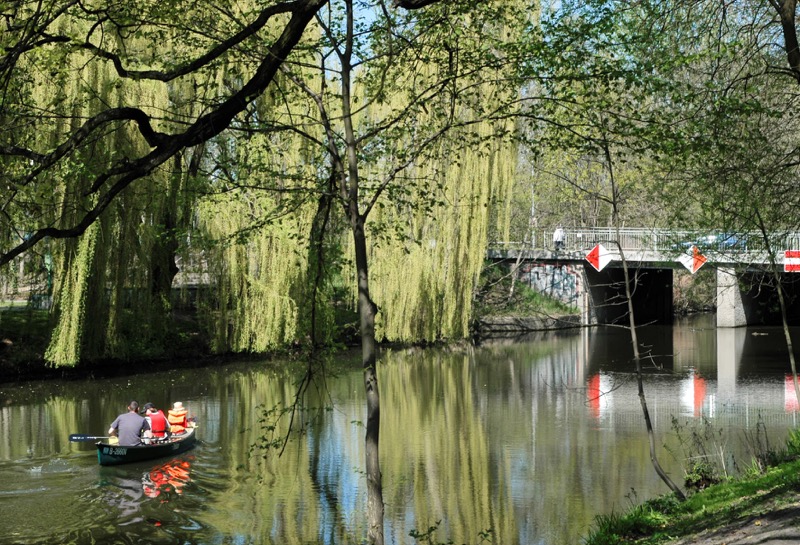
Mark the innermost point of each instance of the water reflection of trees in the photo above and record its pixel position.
(438, 451)
(502, 437)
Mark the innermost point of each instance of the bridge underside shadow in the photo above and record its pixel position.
(651, 295)
(742, 297)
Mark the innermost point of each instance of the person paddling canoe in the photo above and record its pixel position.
(130, 426)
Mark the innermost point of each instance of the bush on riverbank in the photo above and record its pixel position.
(664, 520)
(694, 292)
(25, 334)
(499, 294)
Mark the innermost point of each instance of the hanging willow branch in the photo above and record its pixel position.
(167, 146)
(33, 34)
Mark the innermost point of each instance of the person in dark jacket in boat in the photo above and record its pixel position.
(129, 426)
(159, 425)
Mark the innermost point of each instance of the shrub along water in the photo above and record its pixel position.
(663, 520)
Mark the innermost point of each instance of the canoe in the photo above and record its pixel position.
(109, 454)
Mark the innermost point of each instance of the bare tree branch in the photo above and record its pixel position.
(213, 54)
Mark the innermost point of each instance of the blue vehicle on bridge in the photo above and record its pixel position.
(716, 242)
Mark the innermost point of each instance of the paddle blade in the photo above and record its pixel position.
(75, 437)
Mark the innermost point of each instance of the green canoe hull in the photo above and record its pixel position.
(109, 455)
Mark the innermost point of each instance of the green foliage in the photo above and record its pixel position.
(615, 529)
(793, 443)
(272, 437)
(65, 346)
(428, 536)
(277, 423)
(704, 453)
(763, 454)
(700, 474)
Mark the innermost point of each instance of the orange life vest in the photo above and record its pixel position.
(177, 420)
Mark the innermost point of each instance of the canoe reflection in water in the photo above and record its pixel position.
(170, 476)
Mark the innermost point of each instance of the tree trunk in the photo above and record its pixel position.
(786, 12)
(367, 311)
(634, 338)
(514, 273)
(640, 382)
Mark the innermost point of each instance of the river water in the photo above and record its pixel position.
(529, 439)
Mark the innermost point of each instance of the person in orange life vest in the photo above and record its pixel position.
(159, 425)
(177, 418)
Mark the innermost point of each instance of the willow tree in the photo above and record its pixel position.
(426, 281)
(124, 113)
(255, 231)
(118, 276)
(384, 109)
(120, 111)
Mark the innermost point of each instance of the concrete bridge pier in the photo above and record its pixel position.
(730, 303)
(751, 297)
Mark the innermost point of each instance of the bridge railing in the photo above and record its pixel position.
(667, 241)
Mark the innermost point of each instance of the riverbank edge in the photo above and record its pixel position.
(196, 355)
(503, 326)
(762, 508)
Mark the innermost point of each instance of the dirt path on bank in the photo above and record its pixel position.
(779, 527)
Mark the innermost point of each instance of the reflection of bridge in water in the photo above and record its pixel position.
(706, 373)
(745, 291)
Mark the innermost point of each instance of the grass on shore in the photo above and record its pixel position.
(665, 519)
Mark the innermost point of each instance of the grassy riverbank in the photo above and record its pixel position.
(760, 507)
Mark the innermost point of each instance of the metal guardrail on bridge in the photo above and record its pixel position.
(749, 246)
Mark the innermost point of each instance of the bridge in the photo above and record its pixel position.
(745, 286)
(658, 245)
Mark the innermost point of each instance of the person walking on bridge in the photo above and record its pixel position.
(558, 238)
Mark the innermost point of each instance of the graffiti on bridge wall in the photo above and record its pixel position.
(560, 281)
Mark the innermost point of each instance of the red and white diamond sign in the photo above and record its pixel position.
(598, 257)
(791, 261)
(693, 260)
